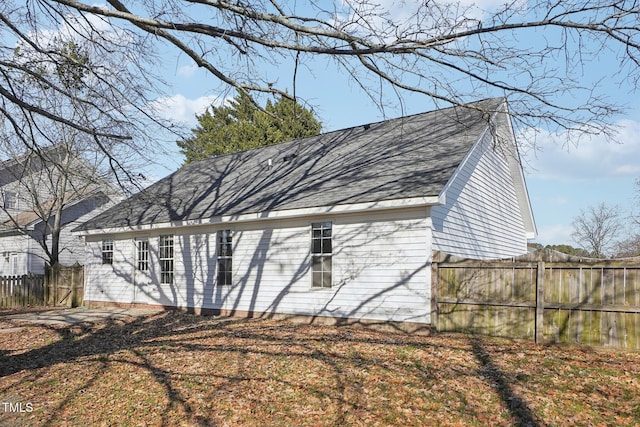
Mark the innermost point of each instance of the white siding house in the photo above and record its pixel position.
(337, 227)
(26, 196)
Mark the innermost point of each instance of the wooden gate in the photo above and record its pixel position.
(65, 285)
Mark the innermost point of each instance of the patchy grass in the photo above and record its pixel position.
(176, 369)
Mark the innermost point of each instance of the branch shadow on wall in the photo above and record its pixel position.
(200, 196)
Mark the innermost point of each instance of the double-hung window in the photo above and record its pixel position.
(165, 252)
(142, 249)
(10, 200)
(107, 251)
(321, 251)
(225, 254)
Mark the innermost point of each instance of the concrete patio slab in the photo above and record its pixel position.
(70, 316)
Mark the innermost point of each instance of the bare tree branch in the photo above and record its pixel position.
(535, 53)
(597, 229)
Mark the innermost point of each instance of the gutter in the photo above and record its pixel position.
(352, 208)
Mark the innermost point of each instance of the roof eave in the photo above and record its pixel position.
(351, 208)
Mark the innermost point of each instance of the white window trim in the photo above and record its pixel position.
(107, 246)
(322, 255)
(166, 274)
(147, 259)
(220, 257)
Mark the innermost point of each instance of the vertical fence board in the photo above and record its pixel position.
(539, 301)
(596, 285)
(586, 295)
(42, 290)
(620, 278)
(636, 287)
(21, 291)
(543, 296)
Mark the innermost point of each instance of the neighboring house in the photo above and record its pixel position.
(342, 225)
(28, 186)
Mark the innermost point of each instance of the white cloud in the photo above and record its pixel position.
(182, 110)
(591, 158)
(81, 27)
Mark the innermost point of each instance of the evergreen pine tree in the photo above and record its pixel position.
(239, 126)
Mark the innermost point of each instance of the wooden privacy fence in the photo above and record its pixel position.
(544, 296)
(22, 291)
(58, 286)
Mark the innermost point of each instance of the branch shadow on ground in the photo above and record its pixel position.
(100, 343)
(177, 357)
(171, 331)
(491, 372)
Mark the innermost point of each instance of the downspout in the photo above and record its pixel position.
(29, 255)
(133, 265)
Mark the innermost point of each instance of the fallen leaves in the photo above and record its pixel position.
(173, 368)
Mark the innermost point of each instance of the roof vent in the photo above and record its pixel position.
(366, 127)
(289, 157)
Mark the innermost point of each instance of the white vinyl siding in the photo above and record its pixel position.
(381, 270)
(13, 255)
(481, 218)
(109, 282)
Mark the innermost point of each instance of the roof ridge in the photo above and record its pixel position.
(343, 130)
(405, 157)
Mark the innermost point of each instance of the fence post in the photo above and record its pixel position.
(23, 286)
(51, 285)
(540, 303)
(434, 296)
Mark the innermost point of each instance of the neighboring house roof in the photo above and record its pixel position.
(14, 173)
(28, 219)
(17, 167)
(402, 158)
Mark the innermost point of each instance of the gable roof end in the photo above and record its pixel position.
(503, 140)
(507, 137)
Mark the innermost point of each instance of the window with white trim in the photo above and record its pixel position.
(107, 251)
(165, 256)
(321, 253)
(142, 253)
(10, 200)
(225, 255)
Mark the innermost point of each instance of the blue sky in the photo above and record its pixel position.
(562, 178)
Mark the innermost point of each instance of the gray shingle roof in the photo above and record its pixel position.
(407, 157)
